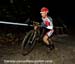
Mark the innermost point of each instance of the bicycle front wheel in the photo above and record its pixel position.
(28, 42)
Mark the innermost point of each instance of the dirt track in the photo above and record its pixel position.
(63, 54)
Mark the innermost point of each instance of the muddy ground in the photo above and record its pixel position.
(10, 50)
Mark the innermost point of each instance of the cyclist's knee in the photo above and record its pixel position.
(45, 38)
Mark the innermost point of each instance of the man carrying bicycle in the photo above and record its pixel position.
(48, 26)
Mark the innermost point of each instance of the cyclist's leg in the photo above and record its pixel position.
(45, 39)
(45, 36)
(51, 44)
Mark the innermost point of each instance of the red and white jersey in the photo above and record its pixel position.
(48, 23)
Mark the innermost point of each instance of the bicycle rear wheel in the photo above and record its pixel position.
(28, 42)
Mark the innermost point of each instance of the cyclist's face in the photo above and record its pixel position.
(44, 14)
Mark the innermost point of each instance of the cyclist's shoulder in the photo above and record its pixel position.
(50, 18)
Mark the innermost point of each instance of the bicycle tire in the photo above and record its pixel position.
(28, 42)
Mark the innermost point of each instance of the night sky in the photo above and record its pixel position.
(20, 10)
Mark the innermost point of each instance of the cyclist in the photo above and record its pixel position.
(47, 24)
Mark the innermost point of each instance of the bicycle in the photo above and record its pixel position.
(30, 39)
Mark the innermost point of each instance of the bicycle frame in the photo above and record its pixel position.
(39, 32)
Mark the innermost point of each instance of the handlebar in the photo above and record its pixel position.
(36, 24)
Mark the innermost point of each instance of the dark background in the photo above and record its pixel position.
(21, 10)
